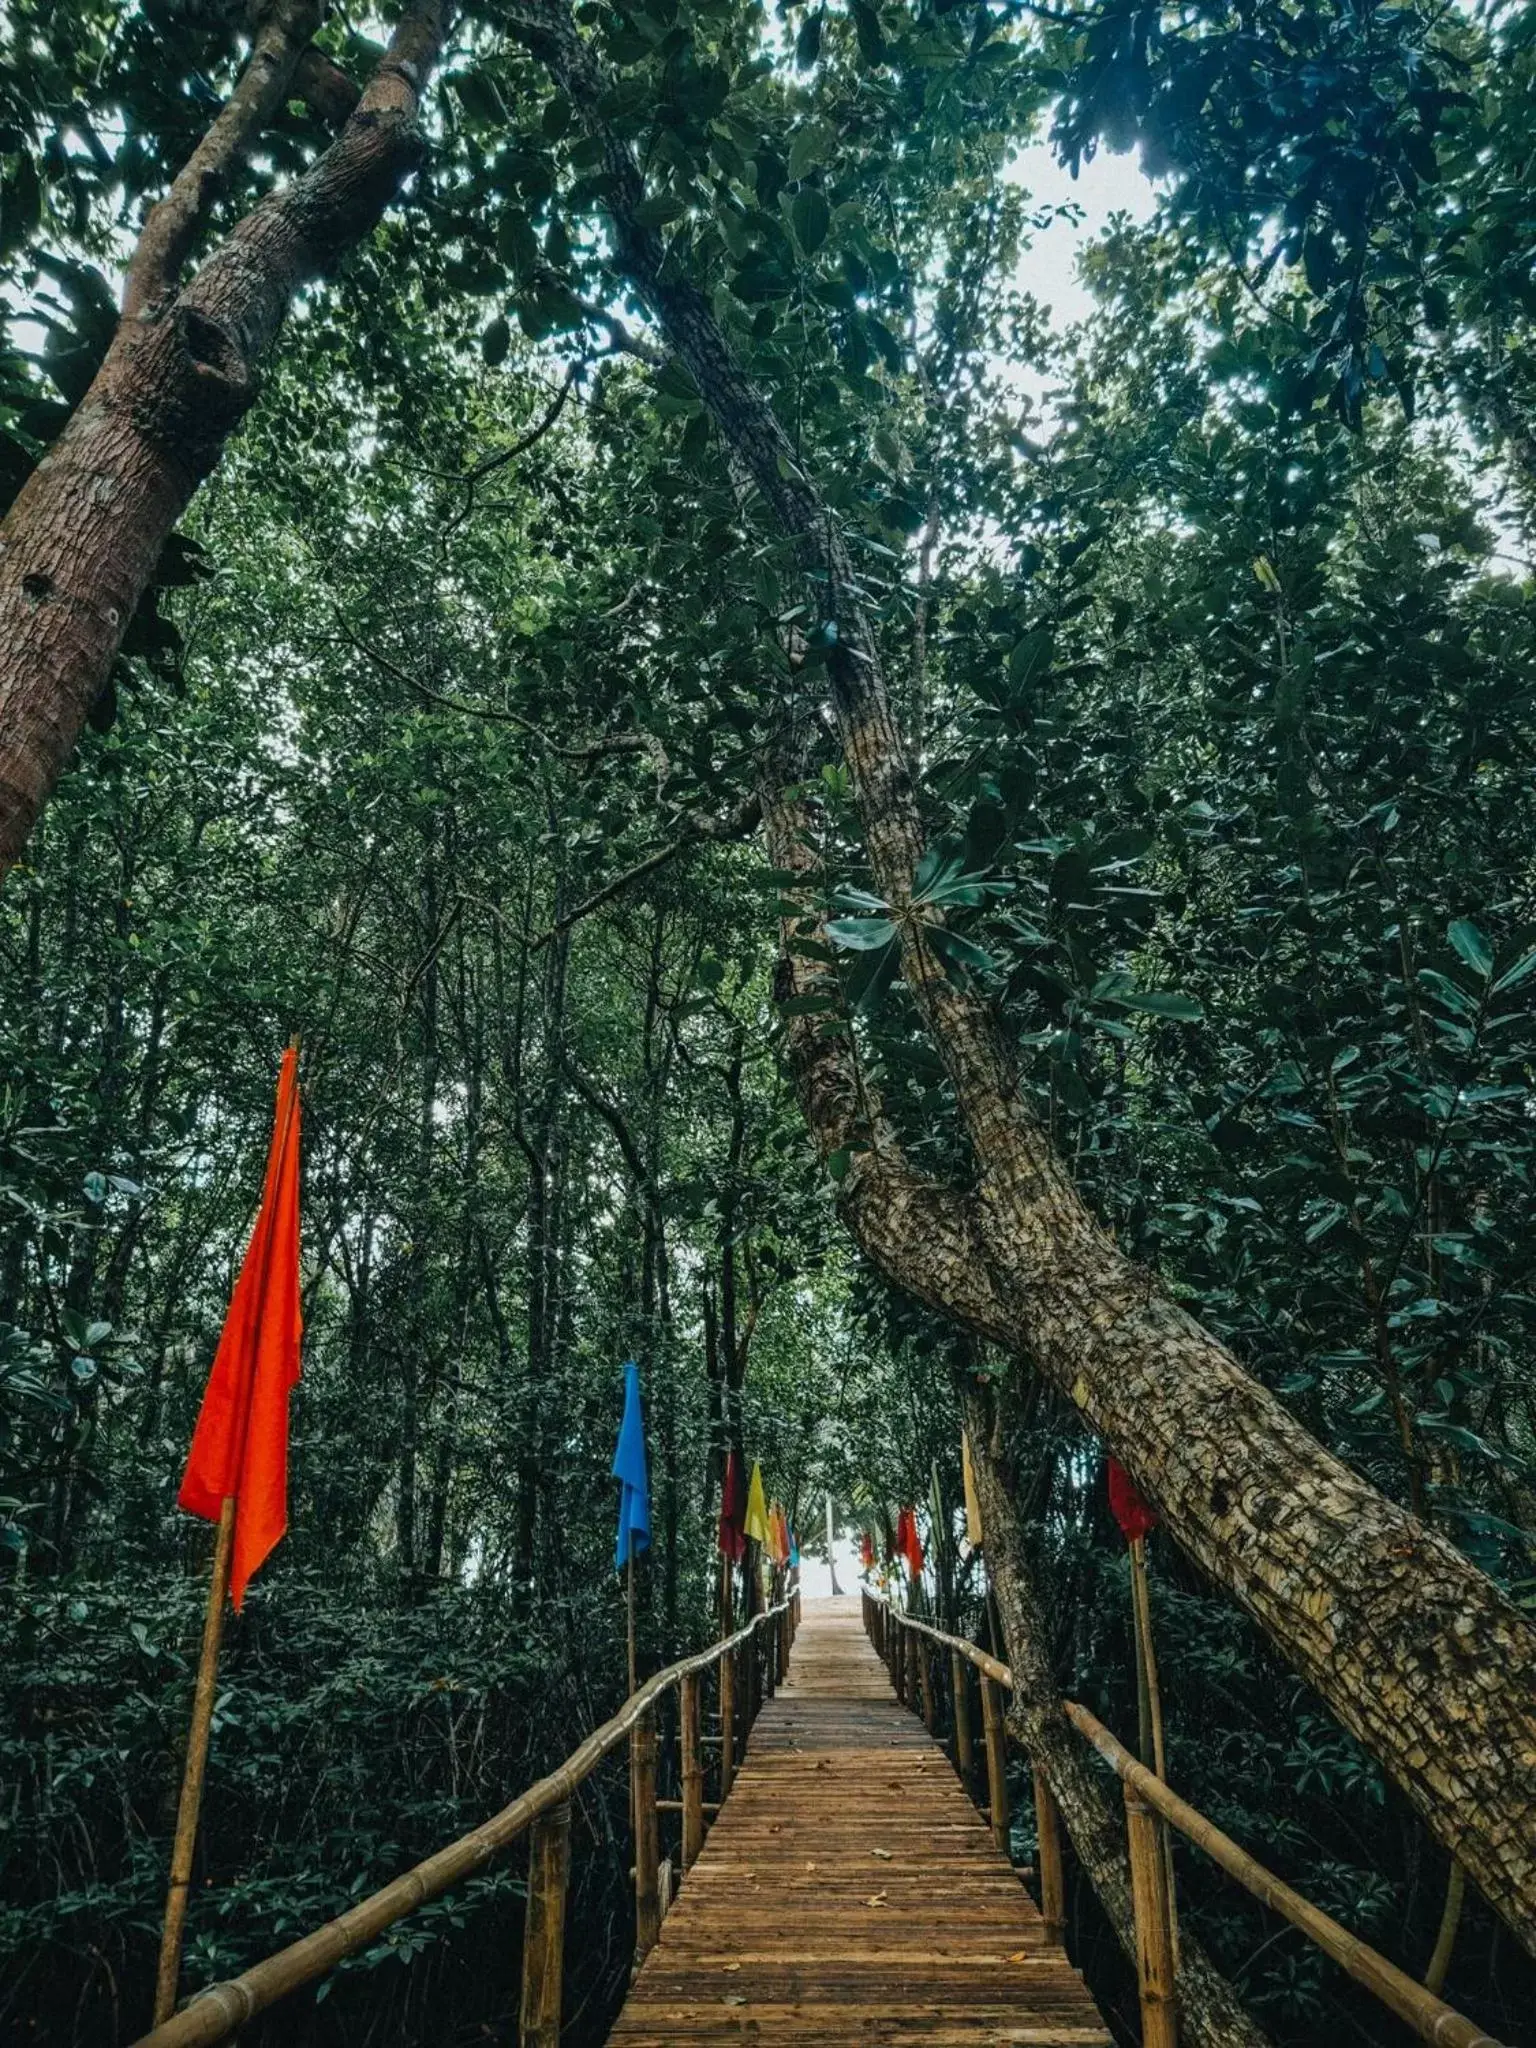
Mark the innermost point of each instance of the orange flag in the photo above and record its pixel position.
(240, 1445)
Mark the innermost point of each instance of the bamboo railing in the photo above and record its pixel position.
(902, 1639)
(750, 1665)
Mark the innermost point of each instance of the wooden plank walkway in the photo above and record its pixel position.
(849, 1894)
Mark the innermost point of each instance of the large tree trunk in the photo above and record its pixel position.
(1417, 1652)
(82, 540)
(1210, 2015)
(925, 1236)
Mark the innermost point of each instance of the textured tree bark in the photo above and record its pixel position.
(81, 542)
(1415, 1650)
(922, 1235)
(1209, 2012)
(166, 238)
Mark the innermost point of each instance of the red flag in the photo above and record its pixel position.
(732, 1538)
(1126, 1504)
(240, 1445)
(909, 1543)
(867, 1551)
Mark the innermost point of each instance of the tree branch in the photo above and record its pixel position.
(581, 750)
(698, 828)
(325, 88)
(167, 235)
(613, 1118)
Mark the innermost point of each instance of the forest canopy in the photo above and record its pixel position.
(903, 863)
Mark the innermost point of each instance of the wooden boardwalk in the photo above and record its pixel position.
(849, 1894)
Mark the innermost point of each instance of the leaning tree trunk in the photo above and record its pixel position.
(923, 1233)
(1417, 1652)
(1210, 2015)
(81, 542)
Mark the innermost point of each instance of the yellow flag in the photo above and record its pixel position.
(972, 1504)
(756, 1524)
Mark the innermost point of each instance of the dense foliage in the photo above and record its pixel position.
(434, 743)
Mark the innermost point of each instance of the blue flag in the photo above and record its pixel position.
(629, 1470)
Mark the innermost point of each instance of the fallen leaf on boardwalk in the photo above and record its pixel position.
(883, 1854)
(877, 1900)
(730, 1966)
(1020, 1955)
(733, 1998)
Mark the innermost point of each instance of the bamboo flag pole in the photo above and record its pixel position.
(190, 1805)
(629, 1603)
(257, 1360)
(1450, 1921)
(1148, 1693)
(1149, 1700)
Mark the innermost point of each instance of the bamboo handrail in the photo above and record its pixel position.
(1430, 2017)
(213, 2015)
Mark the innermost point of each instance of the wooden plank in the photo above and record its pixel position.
(849, 1892)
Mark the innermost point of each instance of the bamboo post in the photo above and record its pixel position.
(1053, 1889)
(1154, 1934)
(1149, 1702)
(965, 1752)
(997, 1759)
(693, 1771)
(727, 1725)
(647, 1844)
(189, 1807)
(549, 1871)
(925, 1680)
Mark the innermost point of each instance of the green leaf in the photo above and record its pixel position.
(1522, 970)
(861, 934)
(656, 211)
(479, 98)
(1031, 657)
(959, 951)
(1471, 945)
(495, 341)
(810, 217)
(808, 150)
(1162, 1002)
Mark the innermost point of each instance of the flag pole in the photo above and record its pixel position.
(629, 1601)
(190, 1805)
